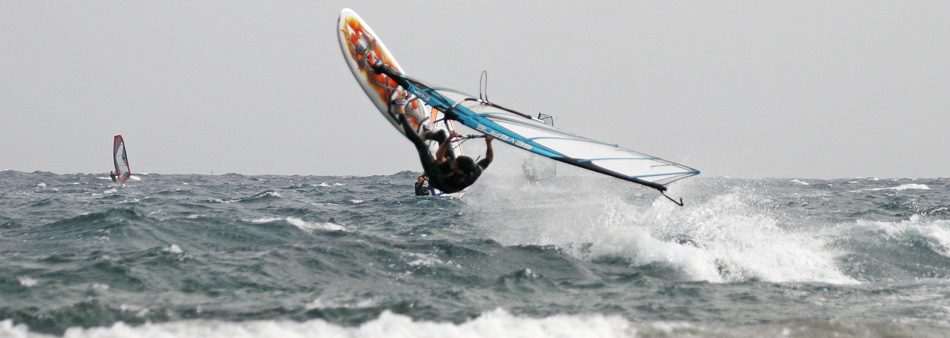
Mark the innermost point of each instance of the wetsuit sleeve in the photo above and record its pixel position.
(484, 163)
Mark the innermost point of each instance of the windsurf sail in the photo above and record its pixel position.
(533, 135)
(121, 160)
(537, 168)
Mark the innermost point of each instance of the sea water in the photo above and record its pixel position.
(573, 256)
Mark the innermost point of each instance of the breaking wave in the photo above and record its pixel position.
(497, 323)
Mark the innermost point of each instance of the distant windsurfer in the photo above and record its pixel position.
(113, 176)
(449, 174)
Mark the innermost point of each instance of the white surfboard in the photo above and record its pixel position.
(361, 48)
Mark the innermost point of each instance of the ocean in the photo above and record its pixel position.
(574, 256)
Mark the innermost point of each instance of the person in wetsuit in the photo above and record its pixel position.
(112, 175)
(449, 174)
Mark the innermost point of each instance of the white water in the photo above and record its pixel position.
(27, 281)
(902, 187)
(797, 181)
(492, 324)
(935, 232)
(301, 224)
(723, 239)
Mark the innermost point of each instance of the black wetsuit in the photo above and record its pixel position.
(440, 137)
(441, 177)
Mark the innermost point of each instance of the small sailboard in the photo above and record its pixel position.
(121, 160)
(361, 49)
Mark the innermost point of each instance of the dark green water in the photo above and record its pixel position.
(233, 255)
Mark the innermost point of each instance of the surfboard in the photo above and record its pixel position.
(362, 48)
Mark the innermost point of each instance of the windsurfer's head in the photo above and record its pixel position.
(464, 163)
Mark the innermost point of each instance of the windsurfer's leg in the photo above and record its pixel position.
(429, 165)
(438, 136)
(424, 155)
(411, 133)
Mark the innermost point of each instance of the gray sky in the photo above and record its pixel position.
(734, 88)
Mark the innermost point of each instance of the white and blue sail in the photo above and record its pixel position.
(522, 131)
(538, 168)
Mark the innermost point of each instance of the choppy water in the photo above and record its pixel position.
(233, 255)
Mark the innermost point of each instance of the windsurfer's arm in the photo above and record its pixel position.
(489, 152)
(440, 154)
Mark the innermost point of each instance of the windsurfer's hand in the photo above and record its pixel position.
(488, 138)
(453, 134)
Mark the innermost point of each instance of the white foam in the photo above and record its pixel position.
(41, 185)
(139, 310)
(723, 239)
(99, 287)
(497, 323)
(492, 324)
(301, 224)
(27, 281)
(323, 184)
(936, 231)
(173, 249)
(135, 178)
(7, 329)
(324, 302)
(902, 187)
(265, 220)
(356, 201)
(310, 226)
(425, 259)
(797, 181)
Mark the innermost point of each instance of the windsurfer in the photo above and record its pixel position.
(444, 173)
(112, 175)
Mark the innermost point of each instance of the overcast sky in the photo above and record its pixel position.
(734, 88)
